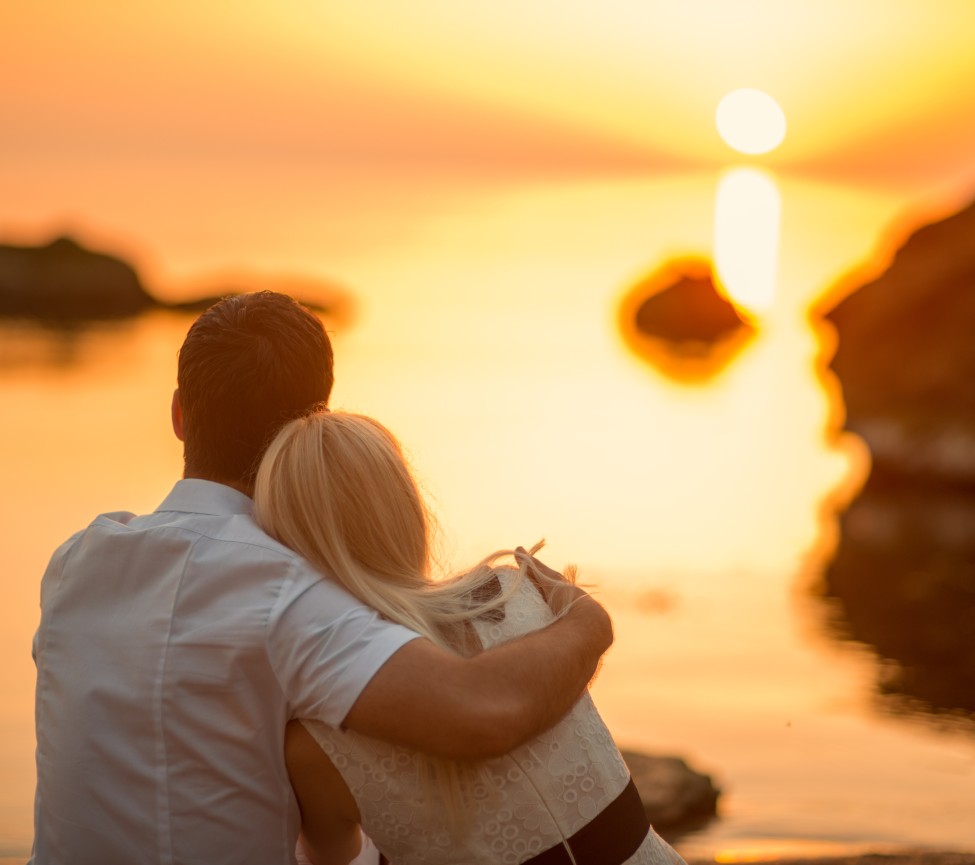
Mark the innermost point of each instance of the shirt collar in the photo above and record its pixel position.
(196, 496)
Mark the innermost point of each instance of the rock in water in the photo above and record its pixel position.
(678, 320)
(673, 794)
(906, 356)
(63, 281)
(689, 310)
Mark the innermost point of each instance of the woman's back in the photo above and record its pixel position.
(528, 802)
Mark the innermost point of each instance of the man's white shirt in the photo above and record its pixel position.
(172, 650)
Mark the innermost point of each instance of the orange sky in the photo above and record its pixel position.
(107, 104)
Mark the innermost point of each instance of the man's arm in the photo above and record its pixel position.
(475, 708)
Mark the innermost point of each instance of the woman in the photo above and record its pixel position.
(335, 487)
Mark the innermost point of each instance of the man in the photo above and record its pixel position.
(174, 647)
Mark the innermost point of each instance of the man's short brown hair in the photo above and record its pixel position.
(248, 365)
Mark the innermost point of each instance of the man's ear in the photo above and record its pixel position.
(177, 411)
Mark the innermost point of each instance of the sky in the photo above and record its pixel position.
(114, 110)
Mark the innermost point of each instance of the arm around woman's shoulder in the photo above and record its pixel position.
(436, 702)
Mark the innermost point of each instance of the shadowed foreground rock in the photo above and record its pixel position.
(673, 794)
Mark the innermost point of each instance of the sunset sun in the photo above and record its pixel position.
(750, 121)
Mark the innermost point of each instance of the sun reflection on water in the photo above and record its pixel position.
(747, 214)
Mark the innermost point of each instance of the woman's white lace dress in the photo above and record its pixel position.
(538, 795)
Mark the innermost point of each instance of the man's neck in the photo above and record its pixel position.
(247, 490)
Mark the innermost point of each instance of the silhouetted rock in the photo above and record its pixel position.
(673, 795)
(680, 322)
(689, 311)
(64, 285)
(64, 281)
(903, 578)
(906, 356)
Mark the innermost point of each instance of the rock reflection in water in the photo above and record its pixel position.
(903, 582)
(32, 344)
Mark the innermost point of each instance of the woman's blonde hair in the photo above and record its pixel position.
(337, 489)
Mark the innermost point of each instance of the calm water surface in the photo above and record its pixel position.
(489, 340)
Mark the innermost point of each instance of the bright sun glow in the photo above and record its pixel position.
(750, 121)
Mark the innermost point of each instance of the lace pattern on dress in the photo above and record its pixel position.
(528, 801)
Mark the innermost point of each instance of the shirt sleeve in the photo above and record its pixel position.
(325, 646)
(50, 582)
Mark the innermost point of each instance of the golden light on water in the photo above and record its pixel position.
(750, 121)
(763, 850)
(747, 213)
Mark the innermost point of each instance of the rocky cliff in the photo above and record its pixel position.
(906, 356)
(903, 577)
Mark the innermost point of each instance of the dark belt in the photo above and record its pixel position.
(610, 838)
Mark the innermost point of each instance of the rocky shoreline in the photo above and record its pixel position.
(903, 575)
(64, 283)
(674, 796)
(905, 357)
